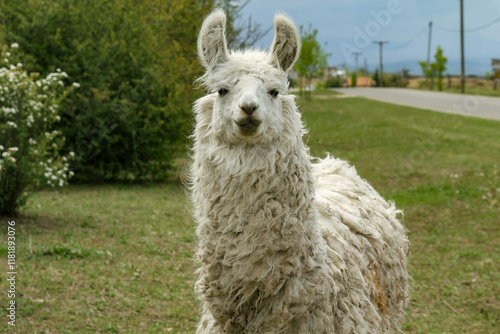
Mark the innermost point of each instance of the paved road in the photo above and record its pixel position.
(469, 105)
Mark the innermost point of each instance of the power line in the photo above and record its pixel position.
(487, 25)
(410, 40)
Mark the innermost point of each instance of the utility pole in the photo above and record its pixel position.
(381, 81)
(356, 54)
(462, 78)
(428, 53)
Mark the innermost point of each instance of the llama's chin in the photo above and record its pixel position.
(248, 130)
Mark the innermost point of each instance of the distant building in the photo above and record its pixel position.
(361, 82)
(330, 72)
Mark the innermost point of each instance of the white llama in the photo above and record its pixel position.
(286, 246)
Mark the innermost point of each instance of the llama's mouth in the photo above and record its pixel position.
(248, 125)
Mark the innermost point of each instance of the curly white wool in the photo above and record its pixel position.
(286, 246)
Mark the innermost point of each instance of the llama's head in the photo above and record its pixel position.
(248, 101)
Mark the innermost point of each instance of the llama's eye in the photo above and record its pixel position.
(273, 92)
(223, 91)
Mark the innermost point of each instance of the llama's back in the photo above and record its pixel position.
(367, 244)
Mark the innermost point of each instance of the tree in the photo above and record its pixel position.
(440, 66)
(426, 70)
(136, 62)
(376, 78)
(313, 59)
(435, 69)
(354, 79)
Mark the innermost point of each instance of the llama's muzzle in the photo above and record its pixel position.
(248, 124)
(247, 121)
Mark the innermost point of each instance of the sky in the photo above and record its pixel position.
(348, 26)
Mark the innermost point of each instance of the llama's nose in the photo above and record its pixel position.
(249, 107)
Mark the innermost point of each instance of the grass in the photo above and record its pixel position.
(119, 258)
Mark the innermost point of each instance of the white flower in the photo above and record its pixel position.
(30, 120)
(8, 110)
(53, 177)
(13, 149)
(19, 65)
(32, 141)
(7, 54)
(71, 173)
(1, 147)
(5, 154)
(12, 159)
(14, 45)
(6, 60)
(72, 154)
(14, 125)
(76, 84)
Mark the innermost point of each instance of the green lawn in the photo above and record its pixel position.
(119, 258)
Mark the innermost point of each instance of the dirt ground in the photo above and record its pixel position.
(454, 82)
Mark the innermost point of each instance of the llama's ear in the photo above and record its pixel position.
(212, 45)
(286, 44)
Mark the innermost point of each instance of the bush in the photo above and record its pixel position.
(320, 85)
(354, 79)
(136, 62)
(29, 154)
(334, 82)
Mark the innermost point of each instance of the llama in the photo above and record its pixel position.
(285, 245)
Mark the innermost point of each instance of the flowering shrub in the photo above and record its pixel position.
(29, 145)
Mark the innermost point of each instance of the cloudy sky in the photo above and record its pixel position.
(348, 26)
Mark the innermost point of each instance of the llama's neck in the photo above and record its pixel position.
(243, 189)
(250, 217)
